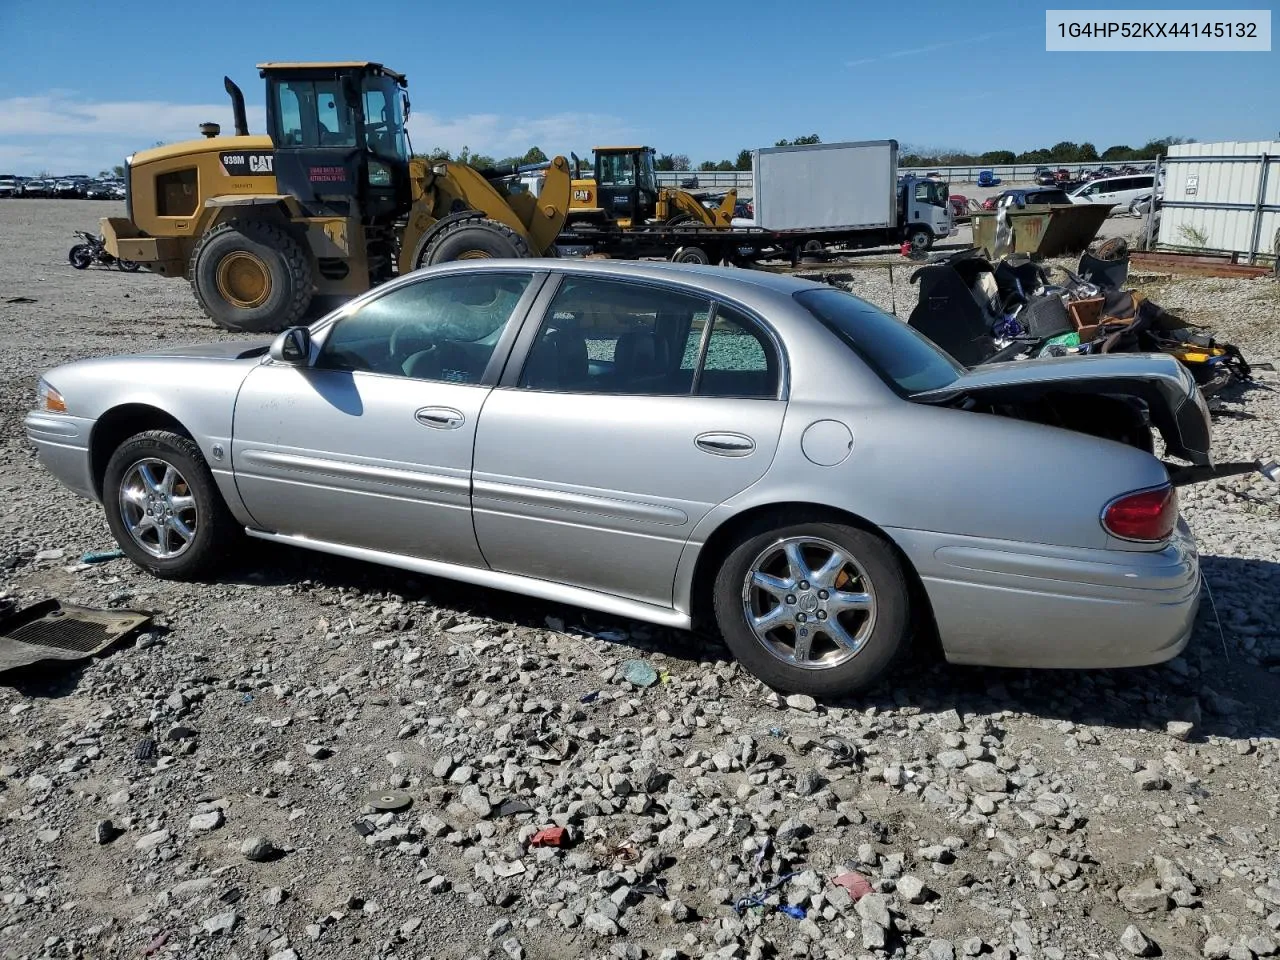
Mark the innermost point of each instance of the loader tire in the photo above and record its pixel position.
(251, 276)
(472, 240)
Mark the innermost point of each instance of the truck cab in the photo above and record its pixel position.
(924, 211)
(622, 189)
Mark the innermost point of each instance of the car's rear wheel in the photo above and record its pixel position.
(164, 508)
(816, 608)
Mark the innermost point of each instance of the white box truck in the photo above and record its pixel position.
(849, 193)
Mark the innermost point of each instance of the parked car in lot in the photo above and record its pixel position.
(1025, 195)
(1120, 191)
(987, 178)
(1062, 175)
(1044, 177)
(668, 443)
(9, 187)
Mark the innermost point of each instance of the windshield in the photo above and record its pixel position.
(384, 118)
(904, 359)
(616, 169)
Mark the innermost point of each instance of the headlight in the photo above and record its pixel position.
(49, 399)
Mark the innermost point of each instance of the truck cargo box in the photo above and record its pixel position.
(826, 186)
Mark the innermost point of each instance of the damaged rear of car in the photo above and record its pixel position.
(1055, 538)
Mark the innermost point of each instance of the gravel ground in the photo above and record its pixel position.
(203, 791)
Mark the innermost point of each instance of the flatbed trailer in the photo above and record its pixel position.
(737, 246)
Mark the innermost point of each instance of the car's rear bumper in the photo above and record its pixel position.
(1031, 605)
(62, 443)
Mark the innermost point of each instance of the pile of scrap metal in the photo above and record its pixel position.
(983, 312)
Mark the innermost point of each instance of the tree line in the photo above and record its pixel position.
(1065, 151)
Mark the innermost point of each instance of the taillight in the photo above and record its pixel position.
(1147, 515)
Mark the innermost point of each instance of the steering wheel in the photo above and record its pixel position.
(410, 338)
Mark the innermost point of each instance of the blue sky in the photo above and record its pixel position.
(83, 85)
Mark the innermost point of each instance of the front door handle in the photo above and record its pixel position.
(440, 418)
(725, 444)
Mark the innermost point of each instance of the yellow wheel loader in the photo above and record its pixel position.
(624, 192)
(327, 202)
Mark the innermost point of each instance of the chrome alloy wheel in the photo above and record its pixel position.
(809, 603)
(158, 509)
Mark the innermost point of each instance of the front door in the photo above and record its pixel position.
(633, 415)
(370, 445)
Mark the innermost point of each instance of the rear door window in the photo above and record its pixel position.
(605, 336)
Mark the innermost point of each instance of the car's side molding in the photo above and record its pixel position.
(528, 586)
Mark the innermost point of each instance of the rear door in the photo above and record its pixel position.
(637, 408)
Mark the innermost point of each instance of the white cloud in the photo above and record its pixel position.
(500, 136)
(929, 48)
(59, 132)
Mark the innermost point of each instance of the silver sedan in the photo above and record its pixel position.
(669, 443)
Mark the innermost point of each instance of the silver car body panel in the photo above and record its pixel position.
(607, 501)
(341, 456)
(197, 387)
(529, 586)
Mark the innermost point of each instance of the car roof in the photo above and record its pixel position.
(711, 276)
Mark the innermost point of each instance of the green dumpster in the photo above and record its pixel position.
(1046, 230)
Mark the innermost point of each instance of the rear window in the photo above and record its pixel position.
(904, 359)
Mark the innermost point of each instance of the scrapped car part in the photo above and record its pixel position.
(51, 630)
(389, 801)
(1181, 476)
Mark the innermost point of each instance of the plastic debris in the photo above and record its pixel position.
(743, 904)
(549, 837)
(591, 697)
(510, 808)
(794, 912)
(638, 673)
(855, 883)
(101, 556)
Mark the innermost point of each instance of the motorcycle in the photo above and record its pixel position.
(93, 250)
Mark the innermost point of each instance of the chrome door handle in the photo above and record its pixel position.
(441, 418)
(725, 444)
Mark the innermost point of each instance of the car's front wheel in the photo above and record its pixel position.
(164, 508)
(816, 608)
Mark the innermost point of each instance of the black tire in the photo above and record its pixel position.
(287, 265)
(691, 254)
(80, 256)
(215, 532)
(920, 238)
(479, 239)
(128, 266)
(889, 634)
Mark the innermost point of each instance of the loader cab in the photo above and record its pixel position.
(626, 183)
(339, 136)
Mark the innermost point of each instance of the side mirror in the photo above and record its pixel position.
(292, 347)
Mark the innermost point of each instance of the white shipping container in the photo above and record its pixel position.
(1222, 196)
(826, 186)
